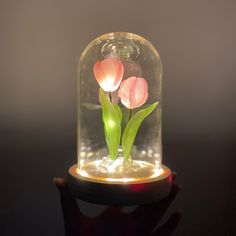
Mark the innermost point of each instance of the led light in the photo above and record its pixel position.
(119, 122)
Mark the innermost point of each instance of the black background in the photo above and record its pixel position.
(40, 44)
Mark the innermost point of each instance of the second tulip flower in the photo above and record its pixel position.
(133, 92)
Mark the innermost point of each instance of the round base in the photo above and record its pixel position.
(117, 193)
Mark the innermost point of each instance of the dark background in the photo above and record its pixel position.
(40, 44)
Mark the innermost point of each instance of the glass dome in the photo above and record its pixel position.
(119, 109)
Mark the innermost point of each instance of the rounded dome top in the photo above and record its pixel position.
(127, 46)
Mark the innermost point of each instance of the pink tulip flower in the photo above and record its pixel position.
(133, 92)
(109, 73)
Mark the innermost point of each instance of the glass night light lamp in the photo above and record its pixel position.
(119, 123)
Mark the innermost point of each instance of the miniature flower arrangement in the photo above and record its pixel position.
(121, 123)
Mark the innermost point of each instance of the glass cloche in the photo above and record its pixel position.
(119, 111)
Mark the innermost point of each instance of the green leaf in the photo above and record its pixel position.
(112, 116)
(118, 110)
(125, 117)
(132, 127)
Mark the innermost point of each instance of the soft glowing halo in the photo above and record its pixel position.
(82, 172)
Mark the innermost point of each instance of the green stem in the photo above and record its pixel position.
(130, 114)
(110, 97)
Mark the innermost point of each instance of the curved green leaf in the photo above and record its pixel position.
(132, 127)
(112, 116)
(125, 117)
(118, 110)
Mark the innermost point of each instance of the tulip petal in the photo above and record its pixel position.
(119, 76)
(100, 75)
(140, 92)
(123, 93)
(113, 69)
(133, 95)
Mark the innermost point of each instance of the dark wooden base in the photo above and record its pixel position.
(125, 194)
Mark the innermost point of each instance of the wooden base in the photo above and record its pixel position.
(122, 194)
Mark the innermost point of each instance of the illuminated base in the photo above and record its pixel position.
(110, 192)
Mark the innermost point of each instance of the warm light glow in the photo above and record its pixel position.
(81, 162)
(107, 83)
(109, 73)
(96, 164)
(111, 123)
